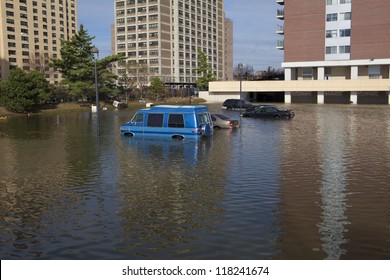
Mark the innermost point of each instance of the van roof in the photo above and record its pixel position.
(175, 109)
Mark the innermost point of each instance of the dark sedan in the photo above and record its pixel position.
(237, 104)
(268, 111)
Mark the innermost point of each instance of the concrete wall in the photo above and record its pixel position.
(218, 97)
(359, 85)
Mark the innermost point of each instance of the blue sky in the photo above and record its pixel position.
(254, 29)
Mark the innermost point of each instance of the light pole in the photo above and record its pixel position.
(95, 52)
(240, 67)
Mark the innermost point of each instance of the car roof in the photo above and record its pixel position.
(221, 116)
(175, 109)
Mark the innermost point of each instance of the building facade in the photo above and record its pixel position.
(229, 47)
(165, 36)
(335, 51)
(336, 40)
(30, 33)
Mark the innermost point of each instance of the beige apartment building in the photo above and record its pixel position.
(166, 35)
(30, 33)
(335, 51)
(229, 46)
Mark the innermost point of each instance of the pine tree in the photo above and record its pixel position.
(77, 66)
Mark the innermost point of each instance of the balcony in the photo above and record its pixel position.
(280, 2)
(280, 45)
(280, 14)
(280, 29)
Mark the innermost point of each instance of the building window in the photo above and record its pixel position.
(331, 17)
(331, 50)
(374, 71)
(345, 49)
(345, 16)
(331, 33)
(331, 2)
(345, 1)
(345, 32)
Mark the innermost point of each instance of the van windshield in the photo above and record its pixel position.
(138, 118)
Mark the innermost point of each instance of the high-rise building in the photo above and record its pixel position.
(30, 33)
(335, 40)
(228, 50)
(165, 35)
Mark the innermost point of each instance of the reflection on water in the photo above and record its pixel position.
(316, 187)
(334, 180)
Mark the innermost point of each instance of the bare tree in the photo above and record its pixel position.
(245, 72)
(270, 74)
(128, 84)
(138, 73)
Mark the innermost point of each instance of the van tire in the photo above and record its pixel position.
(128, 134)
(177, 137)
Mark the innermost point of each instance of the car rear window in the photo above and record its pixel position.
(223, 117)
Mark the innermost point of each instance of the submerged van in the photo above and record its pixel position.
(176, 122)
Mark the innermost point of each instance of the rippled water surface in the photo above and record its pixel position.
(315, 187)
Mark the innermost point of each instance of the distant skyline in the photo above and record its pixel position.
(254, 25)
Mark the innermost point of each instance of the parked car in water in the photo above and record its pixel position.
(222, 121)
(269, 111)
(176, 122)
(237, 104)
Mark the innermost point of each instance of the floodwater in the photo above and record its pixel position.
(315, 187)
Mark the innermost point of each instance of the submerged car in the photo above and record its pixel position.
(222, 121)
(268, 111)
(176, 122)
(237, 104)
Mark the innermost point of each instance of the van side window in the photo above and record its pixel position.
(203, 118)
(139, 118)
(176, 120)
(155, 120)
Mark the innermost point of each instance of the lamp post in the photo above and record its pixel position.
(95, 52)
(240, 67)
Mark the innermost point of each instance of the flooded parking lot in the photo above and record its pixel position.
(315, 187)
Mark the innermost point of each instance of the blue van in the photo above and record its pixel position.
(176, 122)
